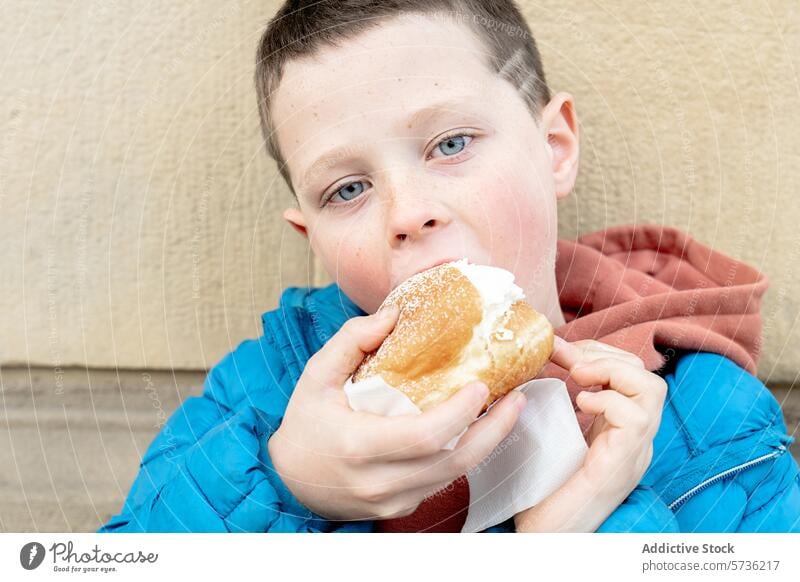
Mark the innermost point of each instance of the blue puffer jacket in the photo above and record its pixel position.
(720, 461)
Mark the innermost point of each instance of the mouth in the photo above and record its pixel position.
(436, 264)
(429, 266)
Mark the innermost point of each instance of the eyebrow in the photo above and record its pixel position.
(420, 117)
(425, 114)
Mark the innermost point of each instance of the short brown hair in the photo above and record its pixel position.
(303, 27)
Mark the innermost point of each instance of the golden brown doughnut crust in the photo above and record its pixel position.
(425, 354)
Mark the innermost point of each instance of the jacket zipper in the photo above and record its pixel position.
(728, 472)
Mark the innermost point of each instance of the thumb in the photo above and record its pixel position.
(342, 354)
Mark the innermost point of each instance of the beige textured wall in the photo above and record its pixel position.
(140, 220)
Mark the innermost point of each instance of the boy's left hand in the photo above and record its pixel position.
(628, 415)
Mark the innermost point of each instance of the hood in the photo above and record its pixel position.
(654, 291)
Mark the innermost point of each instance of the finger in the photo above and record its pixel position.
(618, 410)
(595, 347)
(474, 446)
(648, 389)
(567, 355)
(621, 375)
(480, 439)
(342, 354)
(413, 436)
(593, 355)
(564, 353)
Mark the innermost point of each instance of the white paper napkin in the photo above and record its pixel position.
(541, 452)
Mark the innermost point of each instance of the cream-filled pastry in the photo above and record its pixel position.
(460, 323)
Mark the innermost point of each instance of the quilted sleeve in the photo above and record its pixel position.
(203, 473)
(733, 470)
(773, 498)
(208, 469)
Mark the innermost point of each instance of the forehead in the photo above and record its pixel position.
(376, 80)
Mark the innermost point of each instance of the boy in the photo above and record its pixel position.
(413, 132)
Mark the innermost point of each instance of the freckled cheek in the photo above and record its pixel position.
(351, 257)
(515, 223)
(508, 209)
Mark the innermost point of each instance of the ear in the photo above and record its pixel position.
(296, 220)
(561, 132)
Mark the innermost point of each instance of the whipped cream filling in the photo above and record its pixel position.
(498, 292)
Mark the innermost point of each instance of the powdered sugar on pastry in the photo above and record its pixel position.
(459, 323)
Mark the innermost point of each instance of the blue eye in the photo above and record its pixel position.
(453, 145)
(353, 189)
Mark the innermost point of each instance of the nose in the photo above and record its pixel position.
(412, 215)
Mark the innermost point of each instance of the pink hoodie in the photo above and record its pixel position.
(647, 289)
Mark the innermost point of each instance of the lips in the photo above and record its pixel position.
(436, 264)
(430, 266)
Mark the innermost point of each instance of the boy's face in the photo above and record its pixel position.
(436, 158)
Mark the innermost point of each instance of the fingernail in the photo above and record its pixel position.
(481, 392)
(521, 402)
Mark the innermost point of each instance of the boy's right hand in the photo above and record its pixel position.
(347, 465)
